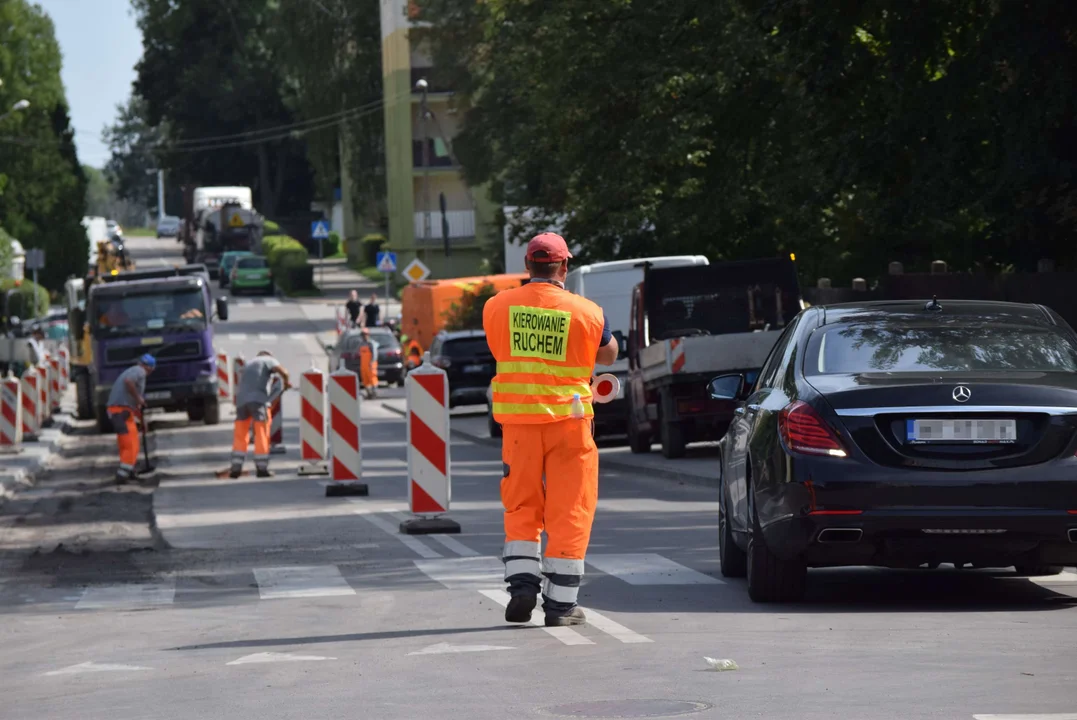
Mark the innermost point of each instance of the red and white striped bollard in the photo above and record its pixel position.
(224, 376)
(31, 417)
(429, 463)
(10, 414)
(345, 444)
(312, 445)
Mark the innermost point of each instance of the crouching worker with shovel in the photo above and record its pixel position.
(252, 406)
(124, 400)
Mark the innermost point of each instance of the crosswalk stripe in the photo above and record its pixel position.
(306, 581)
(649, 569)
(237, 336)
(1058, 716)
(453, 544)
(128, 595)
(566, 635)
(272, 302)
(267, 336)
(616, 629)
(413, 543)
(465, 573)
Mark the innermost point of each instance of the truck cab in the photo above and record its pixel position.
(168, 314)
(610, 285)
(689, 324)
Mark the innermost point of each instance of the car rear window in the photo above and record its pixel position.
(254, 262)
(882, 347)
(465, 347)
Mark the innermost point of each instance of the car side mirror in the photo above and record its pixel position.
(727, 387)
(222, 308)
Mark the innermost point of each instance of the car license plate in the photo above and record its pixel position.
(159, 395)
(964, 432)
(474, 368)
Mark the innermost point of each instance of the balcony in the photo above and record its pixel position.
(461, 227)
(434, 147)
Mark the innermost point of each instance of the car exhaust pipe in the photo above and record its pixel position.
(840, 535)
(1072, 534)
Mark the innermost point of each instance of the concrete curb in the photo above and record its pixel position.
(615, 462)
(34, 458)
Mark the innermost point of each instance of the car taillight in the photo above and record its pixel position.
(803, 431)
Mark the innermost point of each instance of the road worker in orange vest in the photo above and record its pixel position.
(546, 341)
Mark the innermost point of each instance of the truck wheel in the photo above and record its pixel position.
(104, 425)
(639, 442)
(770, 578)
(673, 444)
(84, 397)
(211, 411)
(196, 410)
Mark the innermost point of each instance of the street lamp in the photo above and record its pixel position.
(422, 86)
(20, 105)
(160, 191)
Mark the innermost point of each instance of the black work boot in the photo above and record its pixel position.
(520, 607)
(574, 616)
(264, 472)
(234, 473)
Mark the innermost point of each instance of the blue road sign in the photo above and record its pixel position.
(319, 229)
(387, 262)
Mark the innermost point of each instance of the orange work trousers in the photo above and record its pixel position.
(260, 418)
(550, 483)
(127, 439)
(368, 367)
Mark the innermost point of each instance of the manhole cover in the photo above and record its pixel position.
(627, 709)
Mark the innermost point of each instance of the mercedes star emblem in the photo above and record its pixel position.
(962, 393)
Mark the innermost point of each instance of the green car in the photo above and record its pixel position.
(228, 261)
(251, 273)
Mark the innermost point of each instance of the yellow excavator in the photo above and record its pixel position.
(111, 260)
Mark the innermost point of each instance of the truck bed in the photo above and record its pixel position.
(667, 361)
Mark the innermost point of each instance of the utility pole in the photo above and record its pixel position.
(422, 86)
(160, 194)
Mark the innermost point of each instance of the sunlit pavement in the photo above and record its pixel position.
(263, 598)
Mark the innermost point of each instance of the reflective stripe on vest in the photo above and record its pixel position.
(544, 340)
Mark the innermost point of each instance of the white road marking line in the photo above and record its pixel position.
(272, 302)
(1063, 577)
(566, 635)
(308, 581)
(413, 543)
(237, 336)
(94, 667)
(649, 569)
(241, 303)
(268, 657)
(442, 648)
(297, 336)
(267, 336)
(471, 573)
(136, 595)
(1058, 716)
(447, 540)
(616, 629)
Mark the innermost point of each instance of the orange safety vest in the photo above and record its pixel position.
(544, 340)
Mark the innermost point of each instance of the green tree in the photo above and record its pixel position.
(214, 87)
(133, 143)
(42, 188)
(466, 314)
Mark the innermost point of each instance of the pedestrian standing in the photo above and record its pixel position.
(371, 312)
(126, 398)
(353, 307)
(252, 407)
(546, 342)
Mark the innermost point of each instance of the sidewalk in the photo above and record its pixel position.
(698, 467)
(336, 281)
(21, 469)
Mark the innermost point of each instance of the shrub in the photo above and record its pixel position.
(372, 245)
(270, 228)
(21, 303)
(285, 256)
(332, 245)
(467, 313)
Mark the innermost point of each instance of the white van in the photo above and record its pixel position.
(609, 284)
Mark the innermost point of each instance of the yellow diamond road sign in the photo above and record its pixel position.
(416, 271)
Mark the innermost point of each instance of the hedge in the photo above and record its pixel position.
(22, 301)
(372, 244)
(287, 259)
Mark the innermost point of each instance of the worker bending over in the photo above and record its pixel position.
(126, 398)
(368, 364)
(546, 342)
(252, 406)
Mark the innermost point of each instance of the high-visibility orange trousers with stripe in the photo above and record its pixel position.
(563, 505)
(241, 438)
(123, 422)
(368, 368)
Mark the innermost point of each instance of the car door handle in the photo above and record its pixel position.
(739, 411)
(755, 408)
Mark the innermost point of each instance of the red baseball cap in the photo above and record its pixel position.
(548, 247)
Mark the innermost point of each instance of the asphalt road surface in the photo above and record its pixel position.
(198, 597)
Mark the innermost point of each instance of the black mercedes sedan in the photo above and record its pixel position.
(902, 434)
